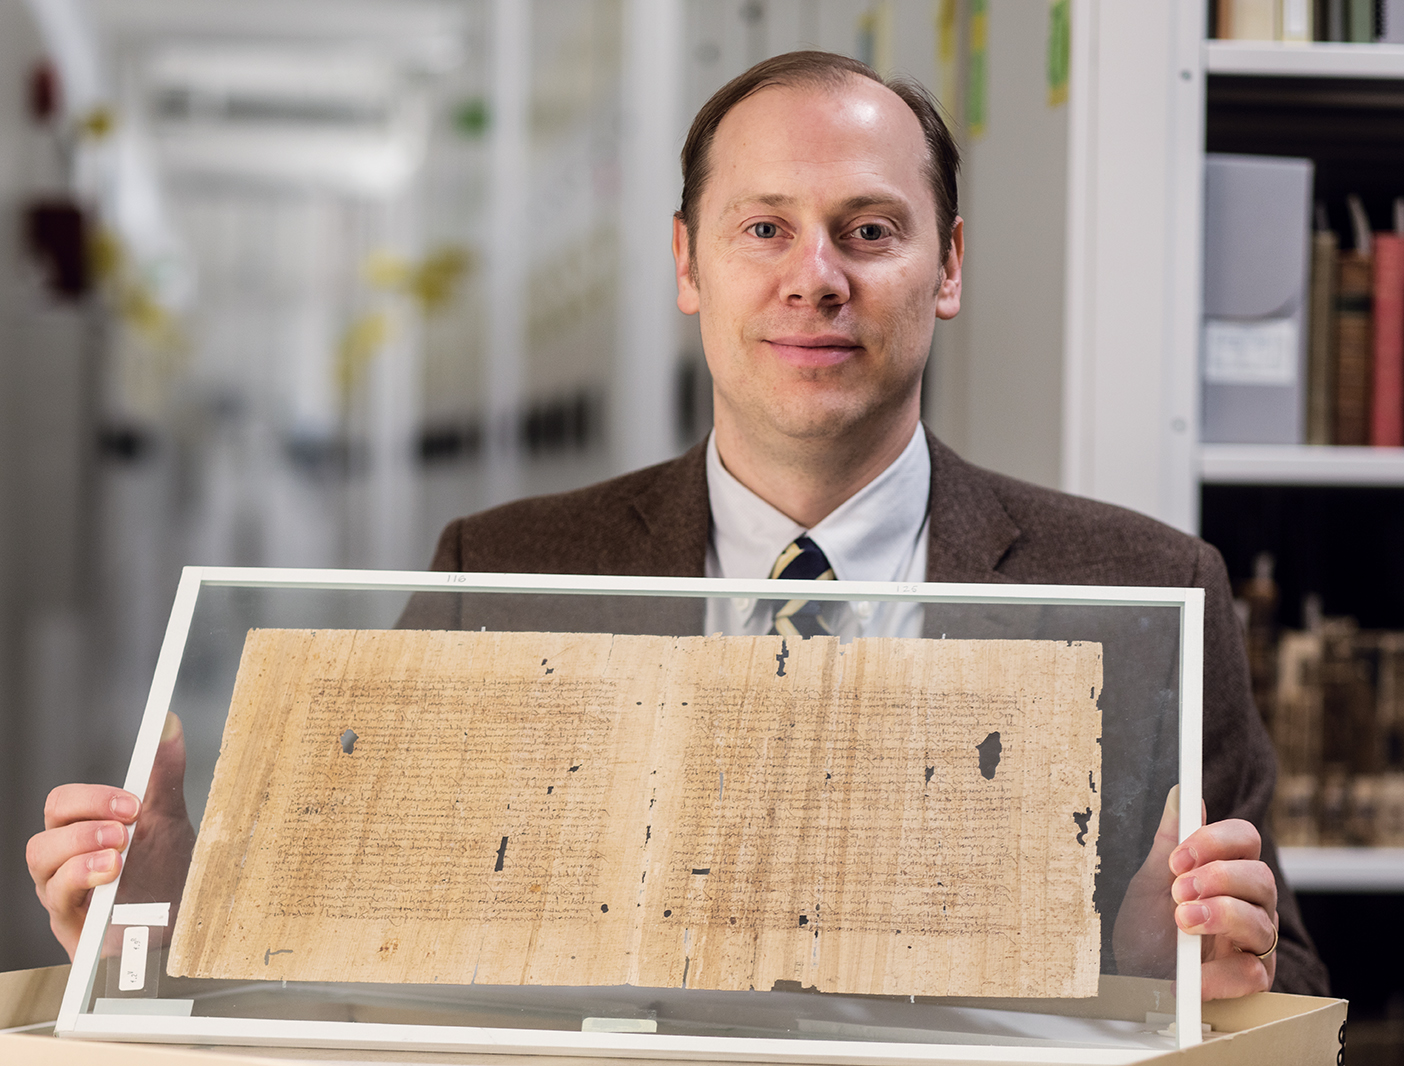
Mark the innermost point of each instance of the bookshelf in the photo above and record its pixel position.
(1343, 106)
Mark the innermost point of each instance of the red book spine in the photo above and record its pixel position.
(1387, 396)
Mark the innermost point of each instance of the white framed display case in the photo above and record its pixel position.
(1149, 645)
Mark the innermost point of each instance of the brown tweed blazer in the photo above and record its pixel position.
(984, 527)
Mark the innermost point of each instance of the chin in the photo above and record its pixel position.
(822, 424)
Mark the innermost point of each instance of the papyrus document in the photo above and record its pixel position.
(899, 816)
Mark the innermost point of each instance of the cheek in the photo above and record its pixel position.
(911, 303)
(908, 317)
(906, 286)
(733, 307)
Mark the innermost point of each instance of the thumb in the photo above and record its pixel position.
(1167, 835)
(165, 790)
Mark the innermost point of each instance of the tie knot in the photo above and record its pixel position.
(802, 560)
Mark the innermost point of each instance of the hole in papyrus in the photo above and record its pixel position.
(1082, 818)
(989, 750)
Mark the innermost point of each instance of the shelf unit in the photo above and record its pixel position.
(1274, 59)
(1313, 98)
(1261, 63)
(1377, 870)
(1300, 464)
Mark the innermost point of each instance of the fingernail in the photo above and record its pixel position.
(1186, 889)
(1194, 914)
(124, 807)
(1182, 860)
(102, 862)
(112, 836)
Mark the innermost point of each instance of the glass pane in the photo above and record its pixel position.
(1135, 650)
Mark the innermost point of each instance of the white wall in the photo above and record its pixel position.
(1072, 362)
(998, 398)
(1129, 397)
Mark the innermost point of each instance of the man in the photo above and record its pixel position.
(819, 242)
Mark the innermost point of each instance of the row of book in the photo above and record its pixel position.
(1358, 21)
(1332, 696)
(1355, 345)
(1303, 326)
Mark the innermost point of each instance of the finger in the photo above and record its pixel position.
(49, 850)
(1243, 879)
(165, 788)
(1245, 925)
(1238, 974)
(1167, 834)
(65, 895)
(1232, 838)
(84, 803)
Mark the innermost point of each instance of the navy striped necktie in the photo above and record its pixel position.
(802, 560)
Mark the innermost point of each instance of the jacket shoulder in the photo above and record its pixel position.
(642, 523)
(1074, 540)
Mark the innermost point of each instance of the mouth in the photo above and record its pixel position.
(819, 350)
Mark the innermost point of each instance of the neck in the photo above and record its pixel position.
(808, 479)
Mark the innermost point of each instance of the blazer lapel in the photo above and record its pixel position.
(675, 511)
(970, 530)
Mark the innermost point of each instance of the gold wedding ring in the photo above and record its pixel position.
(1270, 950)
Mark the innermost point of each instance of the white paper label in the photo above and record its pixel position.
(132, 976)
(619, 1025)
(141, 914)
(1294, 20)
(1251, 353)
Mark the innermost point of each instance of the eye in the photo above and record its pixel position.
(765, 230)
(871, 231)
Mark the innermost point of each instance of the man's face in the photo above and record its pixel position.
(819, 271)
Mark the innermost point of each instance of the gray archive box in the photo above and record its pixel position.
(1257, 258)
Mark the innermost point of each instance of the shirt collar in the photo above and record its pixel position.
(869, 537)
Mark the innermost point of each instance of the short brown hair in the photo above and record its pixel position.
(826, 69)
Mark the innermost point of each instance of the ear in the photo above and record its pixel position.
(948, 295)
(688, 302)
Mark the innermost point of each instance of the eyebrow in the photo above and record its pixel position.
(853, 203)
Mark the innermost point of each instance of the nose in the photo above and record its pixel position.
(817, 276)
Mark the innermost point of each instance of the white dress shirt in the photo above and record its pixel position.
(879, 534)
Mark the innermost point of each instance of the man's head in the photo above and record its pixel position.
(826, 70)
(818, 241)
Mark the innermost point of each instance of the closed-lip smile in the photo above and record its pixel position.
(814, 350)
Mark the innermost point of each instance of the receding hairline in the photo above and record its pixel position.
(830, 82)
(832, 86)
(831, 72)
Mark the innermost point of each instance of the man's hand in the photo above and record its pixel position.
(1225, 894)
(87, 826)
(1213, 884)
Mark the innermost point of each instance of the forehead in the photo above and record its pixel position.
(816, 141)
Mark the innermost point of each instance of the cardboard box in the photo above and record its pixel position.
(1266, 1028)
